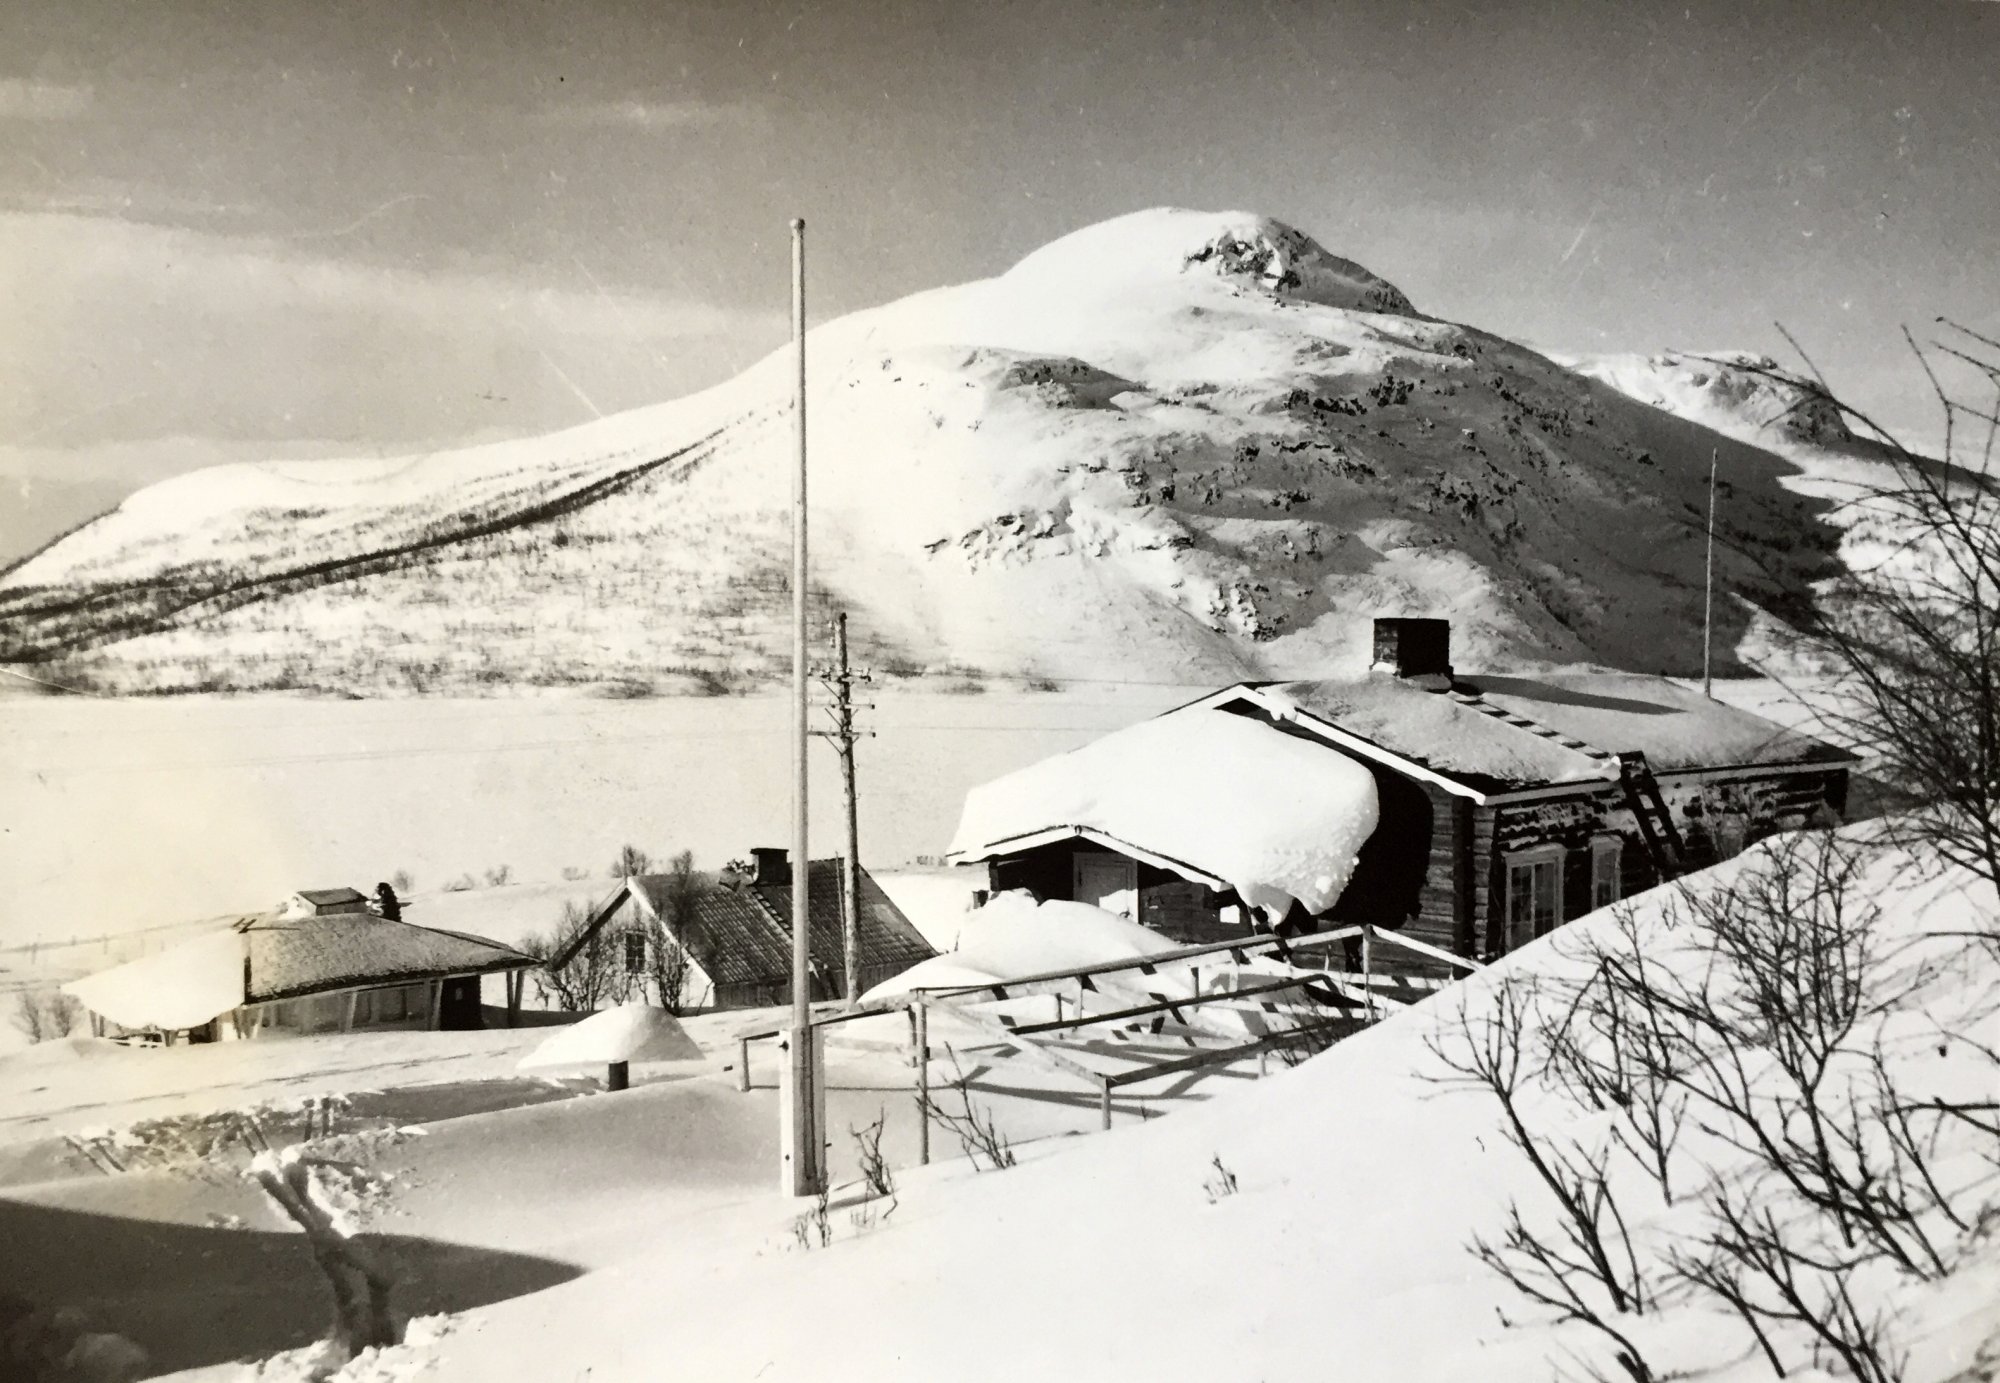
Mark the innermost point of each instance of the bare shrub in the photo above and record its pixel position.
(631, 862)
(45, 1015)
(1751, 1017)
(876, 1173)
(814, 1229)
(1222, 1184)
(500, 876)
(578, 971)
(1913, 637)
(667, 960)
(978, 1136)
(1586, 1269)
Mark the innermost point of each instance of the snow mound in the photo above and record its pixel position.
(631, 1032)
(1238, 248)
(1014, 936)
(62, 1051)
(1275, 817)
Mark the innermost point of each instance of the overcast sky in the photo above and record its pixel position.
(298, 227)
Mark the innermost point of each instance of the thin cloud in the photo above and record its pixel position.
(25, 98)
(651, 116)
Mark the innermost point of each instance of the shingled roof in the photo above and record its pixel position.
(741, 933)
(263, 958)
(291, 957)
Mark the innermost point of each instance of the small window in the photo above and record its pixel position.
(1534, 893)
(1607, 864)
(635, 951)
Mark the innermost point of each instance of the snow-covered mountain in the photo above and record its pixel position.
(1177, 445)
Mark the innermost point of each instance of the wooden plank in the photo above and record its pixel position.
(1223, 1056)
(1214, 997)
(1033, 1051)
(1038, 983)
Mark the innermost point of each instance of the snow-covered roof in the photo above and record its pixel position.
(181, 987)
(1208, 795)
(1675, 727)
(1493, 731)
(291, 957)
(269, 958)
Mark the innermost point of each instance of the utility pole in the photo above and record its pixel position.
(839, 680)
(806, 1174)
(1708, 591)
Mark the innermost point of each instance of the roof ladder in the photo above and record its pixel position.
(1656, 823)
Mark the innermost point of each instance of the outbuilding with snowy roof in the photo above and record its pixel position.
(306, 970)
(1471, 812)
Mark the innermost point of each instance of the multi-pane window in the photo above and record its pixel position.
(1534, 893)
(635, 951)
(1606, 871)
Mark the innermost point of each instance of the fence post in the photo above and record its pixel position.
(1368, 966)
(1104, 1101)
(743, 1063)
(920, 1044)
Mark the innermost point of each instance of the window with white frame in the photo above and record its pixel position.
(635, 951)
(1607, 865)
(1534, 893)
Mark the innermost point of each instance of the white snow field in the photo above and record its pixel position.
(1176, 445)
(117, 817)
(1336, 1248)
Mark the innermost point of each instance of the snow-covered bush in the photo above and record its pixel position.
(1760, 1096)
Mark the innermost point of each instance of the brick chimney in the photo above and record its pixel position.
(1418, 650)
(774, 866)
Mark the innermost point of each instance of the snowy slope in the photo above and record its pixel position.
(1177, 443)
(1340, 1250)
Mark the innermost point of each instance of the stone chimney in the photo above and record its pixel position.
(774, 866)
(1417, 650)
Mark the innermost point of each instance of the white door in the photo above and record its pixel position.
(1110, 882)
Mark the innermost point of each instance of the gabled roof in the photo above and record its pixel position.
(742, 935)
(883, 934)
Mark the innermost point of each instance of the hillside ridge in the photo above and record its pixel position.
(1176, 445)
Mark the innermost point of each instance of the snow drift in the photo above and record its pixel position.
(1013, 936)
(1209, 795)
(1357, 1183)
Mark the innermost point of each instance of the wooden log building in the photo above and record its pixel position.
(1507, 803)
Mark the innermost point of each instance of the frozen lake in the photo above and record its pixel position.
(116, 815)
